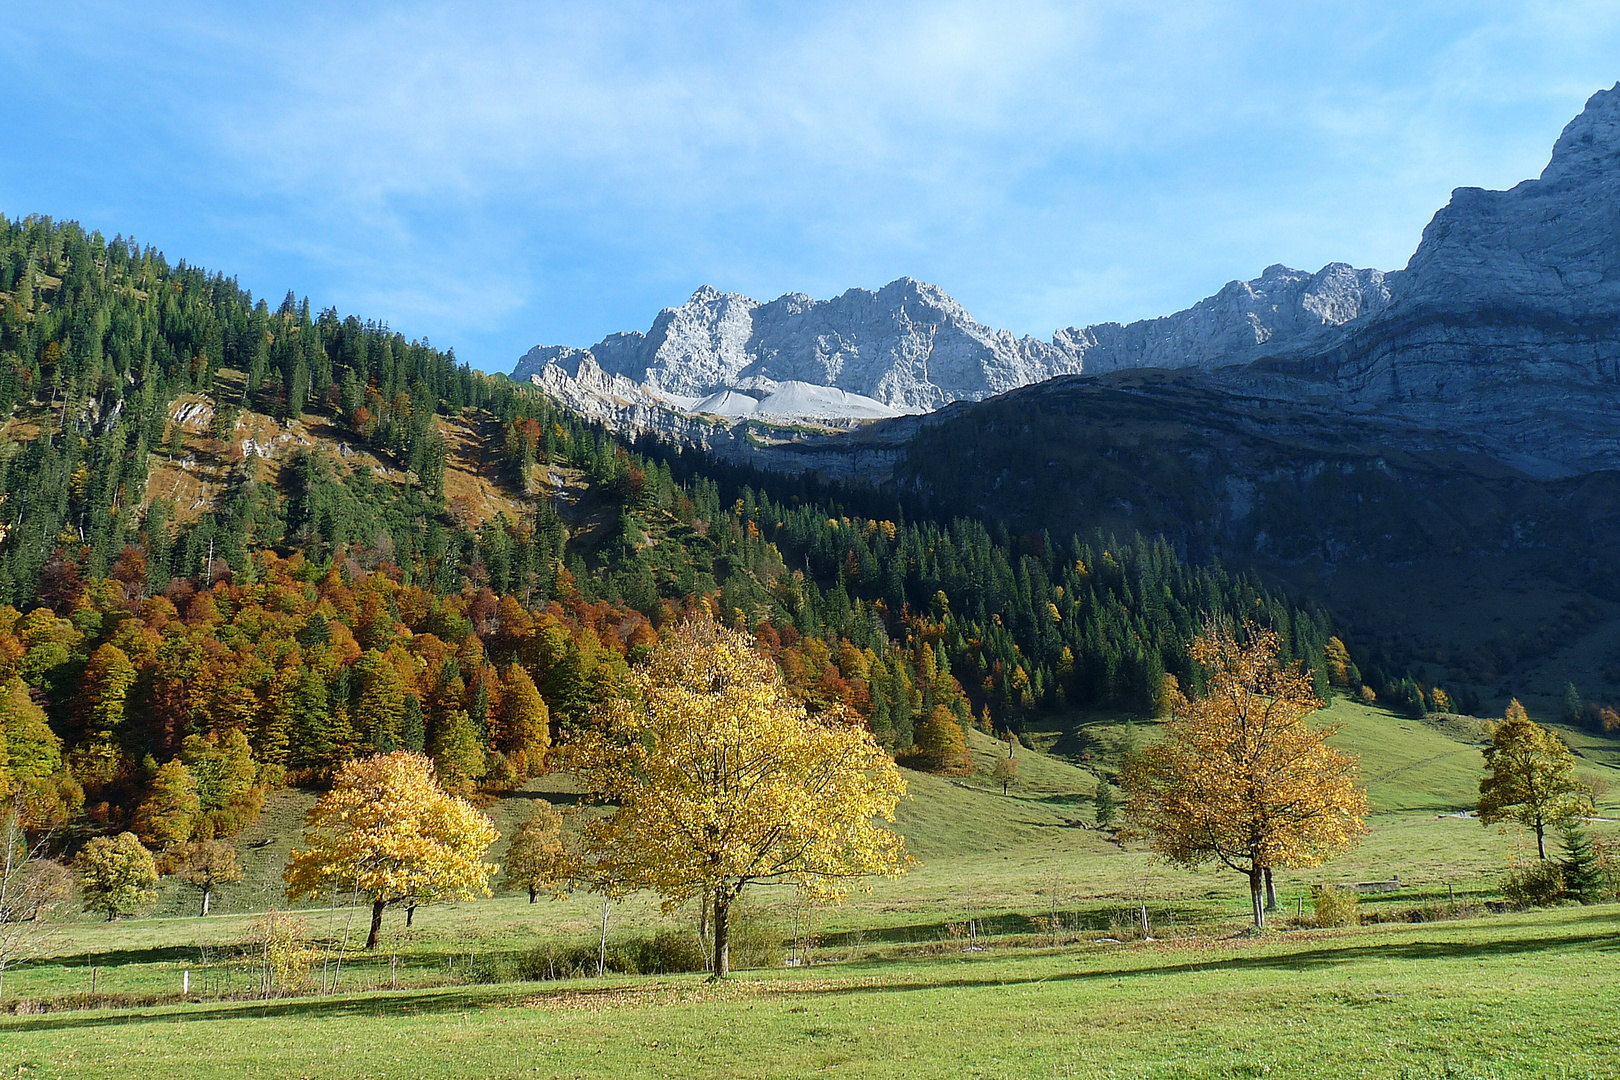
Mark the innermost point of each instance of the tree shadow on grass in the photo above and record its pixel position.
(165, 954)
(1610, 915)
(1305, 960)
(416, 1003)
(382, 1003)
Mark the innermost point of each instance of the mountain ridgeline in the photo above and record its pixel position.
(1500, 331)
(910, 348)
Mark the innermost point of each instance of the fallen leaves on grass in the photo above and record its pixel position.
(660, 995)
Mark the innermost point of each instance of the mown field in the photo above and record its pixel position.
(1526, 995)
(991, 958)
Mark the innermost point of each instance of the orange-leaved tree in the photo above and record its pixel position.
(1240, 777)
(721, 779)
(388, 832)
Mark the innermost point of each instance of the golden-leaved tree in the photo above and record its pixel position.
(1240, 777)
(116, 875)
(942, 745)
(1531, 778)
(536, 859)
(205, 865)
(720, 780)
(388, 832)
(166, 816)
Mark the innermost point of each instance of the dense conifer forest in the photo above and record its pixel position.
(163, 666)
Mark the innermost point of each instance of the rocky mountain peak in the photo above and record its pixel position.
(907, 346)
(704, 294)
(1549, 245)
(1282, 308)
(1590, 143)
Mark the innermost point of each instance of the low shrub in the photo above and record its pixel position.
(1336, 907)
(755, 940)
(669, 952)
(492, 968)
(1422, 913)
(558, 960)
(1540, 884)
(73, 1002)
(278, 953)
(1126, 925)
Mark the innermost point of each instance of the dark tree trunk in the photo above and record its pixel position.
(722, 935)
(410, 913)
(1541, 839)
(533, 892)
(376, 923)
(1271, 892)
(1257, 896)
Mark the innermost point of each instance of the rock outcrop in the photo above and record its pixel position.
(1504, 324)
(1547, 249)
(1282, 308)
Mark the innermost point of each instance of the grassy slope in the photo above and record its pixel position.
(473, 488)
(980, 854)
(1352, 1003)
(1492, 998)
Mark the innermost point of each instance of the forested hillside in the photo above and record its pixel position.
(379, 548)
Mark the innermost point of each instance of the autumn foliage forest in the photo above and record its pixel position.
(155, 656)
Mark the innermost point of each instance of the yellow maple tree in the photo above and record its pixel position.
(536, 859)
(720, 779)
(388, 832)
(1530, 778)
(1240, 777)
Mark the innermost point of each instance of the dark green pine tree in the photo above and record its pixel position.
(1107, 804)
(297, 391)
(1573, 705)
(1583, 878)
(315, 744)
(413, 729)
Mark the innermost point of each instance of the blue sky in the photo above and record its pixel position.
(494, 176)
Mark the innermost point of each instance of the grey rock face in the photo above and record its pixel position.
(908, 345)
(1505, 322)
(1546, 248)
(1245, 320)
(914, 348)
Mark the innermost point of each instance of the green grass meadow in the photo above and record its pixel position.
(1526, 995)
(994, 957)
